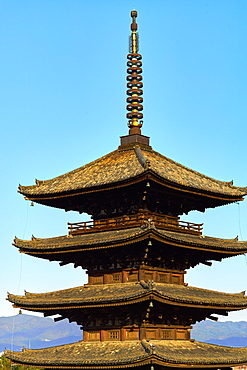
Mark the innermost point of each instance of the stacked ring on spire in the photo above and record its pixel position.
(134, 86)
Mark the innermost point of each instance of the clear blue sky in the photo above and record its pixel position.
(62, 104)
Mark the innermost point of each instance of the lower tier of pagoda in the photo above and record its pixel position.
(176, 354)
(142, 273)
(147, 332)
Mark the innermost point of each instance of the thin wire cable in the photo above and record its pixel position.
(12, 331)
(19, 282)
(240, 232)
(20, 276)
(25, 228)
(239, 222)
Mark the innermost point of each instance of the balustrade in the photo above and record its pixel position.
(135, 220)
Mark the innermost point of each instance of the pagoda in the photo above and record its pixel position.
(136, 309)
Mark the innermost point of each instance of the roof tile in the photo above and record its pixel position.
(122, 165)
(112, 294)
(120, 354)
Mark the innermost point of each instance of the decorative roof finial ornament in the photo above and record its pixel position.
(134, 79)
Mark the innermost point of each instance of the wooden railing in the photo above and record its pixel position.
(136, 220)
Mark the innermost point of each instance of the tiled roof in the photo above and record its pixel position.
(123, 165)
(121, 354)
(125, 293)
(108, 239)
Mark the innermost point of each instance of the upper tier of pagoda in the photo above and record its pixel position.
(134, 176)
(124, 177)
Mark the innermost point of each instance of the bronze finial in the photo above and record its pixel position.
(134, 79)
(134, 25)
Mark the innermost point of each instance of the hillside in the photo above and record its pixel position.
(35, 332)
(223, 333)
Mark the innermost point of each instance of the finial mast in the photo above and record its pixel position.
(134, 79)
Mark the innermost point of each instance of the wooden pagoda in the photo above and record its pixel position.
(136, 310)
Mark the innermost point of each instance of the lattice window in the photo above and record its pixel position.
(166, 334)
(113, 334)
(116, 278)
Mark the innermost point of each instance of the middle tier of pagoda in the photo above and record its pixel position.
(133, 241)
(136, 274)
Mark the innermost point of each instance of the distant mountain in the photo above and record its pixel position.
(227, 333)
(29, 331)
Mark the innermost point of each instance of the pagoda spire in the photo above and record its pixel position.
(134, 78)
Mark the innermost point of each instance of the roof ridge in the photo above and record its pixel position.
(141, 158)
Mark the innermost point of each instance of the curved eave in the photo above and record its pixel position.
(113, 295)
(119, 238)
(128, 165)
(233, 195)
(129, 354)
